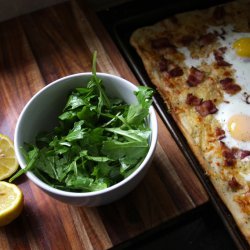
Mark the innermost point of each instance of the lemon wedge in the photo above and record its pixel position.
(11, 202)
(8, 161)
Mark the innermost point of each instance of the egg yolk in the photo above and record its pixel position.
(239, 127)
(242, 47)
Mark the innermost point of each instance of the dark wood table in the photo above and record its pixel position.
(41, 47)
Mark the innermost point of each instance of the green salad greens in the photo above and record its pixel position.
(98, 142)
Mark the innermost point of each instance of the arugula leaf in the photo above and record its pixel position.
(138, 112)
(68, 115)
(85, 184)
(144, 96)
(32, 157)
(137, 135)
(76, 133)
(74, 102)
(130, 151)
(103, 100)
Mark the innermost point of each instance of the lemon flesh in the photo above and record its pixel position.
(11, 202)
(8, 161)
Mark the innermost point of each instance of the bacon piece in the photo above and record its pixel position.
(207, 39)
(169, 67)
(228, 154)
(232, 89)
(222, 50)
(206, 107)
(229, 157)
(218, 55)
(241, 154)
(176, 71)
(161, 43)
(193, 100)
(244, 153)
(164, 64)
(195, 77)
(229, 86)
(220, 133)
(232, 154)
(223, 63)
(234, 184)
(226, 81)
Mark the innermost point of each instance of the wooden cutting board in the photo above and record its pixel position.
(38, 48)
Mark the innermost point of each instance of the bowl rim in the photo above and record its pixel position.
(46, 187)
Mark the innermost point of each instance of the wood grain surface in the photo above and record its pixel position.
(38, 48)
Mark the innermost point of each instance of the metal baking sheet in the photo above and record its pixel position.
(121, 31)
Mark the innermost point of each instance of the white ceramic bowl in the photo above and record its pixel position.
(41, 113)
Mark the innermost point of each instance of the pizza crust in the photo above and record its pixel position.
(198, 131)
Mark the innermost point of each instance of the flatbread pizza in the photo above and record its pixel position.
(199, 62)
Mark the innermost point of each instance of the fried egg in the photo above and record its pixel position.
(234, 118)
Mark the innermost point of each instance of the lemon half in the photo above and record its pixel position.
(11, 202)
(8, 161)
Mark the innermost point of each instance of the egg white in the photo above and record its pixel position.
(195, 62)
